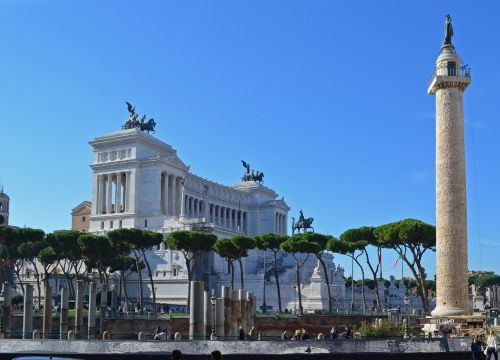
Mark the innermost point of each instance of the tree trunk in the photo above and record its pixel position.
(241, 273)
(232, 275)
(188, 265)
(151, 281)
(327, 283)
(277, 278)
(362, 285)
(125, 291)
(139, 274)
(374, 273)
(38, 283)
(301, 310)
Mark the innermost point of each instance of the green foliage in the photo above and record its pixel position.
(298, 244)
(383, 330)
(269, 241)
(484, 280)
(410, 232)
(226, 249)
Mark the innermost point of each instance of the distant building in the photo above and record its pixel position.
(80, 217)
(4, 208)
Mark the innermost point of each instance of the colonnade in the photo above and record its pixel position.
(171, 192)
(280, 223)
(225, 216)
(112, 192)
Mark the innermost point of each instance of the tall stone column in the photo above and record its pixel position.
(47, 312)
(179, 200)
(63, 318)
(28, 312)
(235, 311)
(248, 310)
(102, 310)
(207, 314)
(91, 318)
(226, 297)
(118, 201)
(219, 318)
(242, 320)
(126, 192)
(109, 193)
(196, 311)
(448, 84)
(166, 199)
(79, 309)
(6, 307)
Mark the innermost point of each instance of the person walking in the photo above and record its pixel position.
(476, 348)
(333, 333)
(491, 344)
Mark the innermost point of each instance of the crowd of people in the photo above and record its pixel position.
(303, 334)
(486, 346)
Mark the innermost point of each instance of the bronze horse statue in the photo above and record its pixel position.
(148, 126)
(302, 224)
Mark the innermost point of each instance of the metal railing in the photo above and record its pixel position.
(445, 70)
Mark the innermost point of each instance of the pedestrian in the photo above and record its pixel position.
(156, 332)
(296, 335)
(476, 348)
(333, 333)
(215, 355)
(252, 334)
(491, 344)
(242, 333)
(176, 355)
(304, 335)
(284, 336)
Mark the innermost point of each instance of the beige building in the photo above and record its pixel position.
(80, 216)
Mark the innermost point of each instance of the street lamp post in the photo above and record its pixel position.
(213, 300)
(406, 301)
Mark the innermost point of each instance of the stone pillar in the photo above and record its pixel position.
(28, 312)
(118, 201)
(230, 218)
(126, 192)
(63, 317)
(248, 310)
(448, 85)
(181, 200)
(235, 310)
(79, 309)
(253, 312)
(102, 311)
(207, 314)
(91, 318)
(196, 311)
(47, 312)
(226, 297)
(109, 193)
(242, 321)
(166, 194)
(219, 318)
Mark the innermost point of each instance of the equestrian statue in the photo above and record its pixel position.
(134, 123)
(251, 175)
(302, 223)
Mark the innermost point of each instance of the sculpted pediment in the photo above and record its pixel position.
(176, 162)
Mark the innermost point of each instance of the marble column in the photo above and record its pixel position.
(219, 318)
(28, 312)
(196, 311)
(102, 311)
(118, 201)
(47, 312)
(177, 200)
(91, 318)
(109, 193)
(63, 318)
(235, 310)
(79, 309)
(248, 310)
(242, 321)
(126, 192)
(226, 297)
(207, 314)
(7, 307)
(166, 195)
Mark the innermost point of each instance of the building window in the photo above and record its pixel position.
(83, 218)
(175, 272)
(146, 223)
(102, 224)
(111, 224)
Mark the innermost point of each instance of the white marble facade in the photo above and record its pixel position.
(140, 182)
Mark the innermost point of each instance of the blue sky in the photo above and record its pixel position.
(327, 98)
